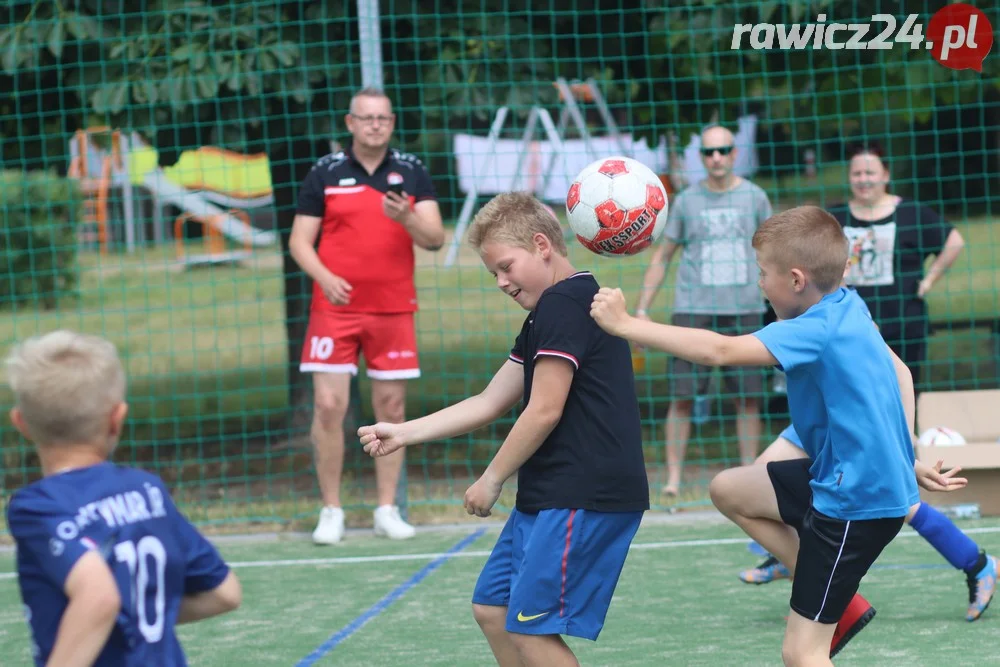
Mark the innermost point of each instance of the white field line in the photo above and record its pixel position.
(354, 560)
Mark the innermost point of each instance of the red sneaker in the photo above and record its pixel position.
(857, 615)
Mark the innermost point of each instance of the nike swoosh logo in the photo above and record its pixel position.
(521, 617)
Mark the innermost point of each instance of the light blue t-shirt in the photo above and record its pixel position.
(789, 433)
(844, 400)
(791, 436)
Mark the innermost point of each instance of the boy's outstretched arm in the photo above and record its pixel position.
(500, 395)
(550, 386)
(699, 346)
(94, 603)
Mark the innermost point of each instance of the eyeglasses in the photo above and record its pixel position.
(370, 120)
(723, 151)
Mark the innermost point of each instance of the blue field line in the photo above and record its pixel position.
(384, 603)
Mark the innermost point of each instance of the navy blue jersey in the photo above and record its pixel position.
(156, 555)
(593, 458)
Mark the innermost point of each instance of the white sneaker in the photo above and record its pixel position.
(389, 524)
(330, 529)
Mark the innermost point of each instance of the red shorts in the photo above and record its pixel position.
(388, 342)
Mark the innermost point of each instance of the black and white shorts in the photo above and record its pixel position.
(834, 555)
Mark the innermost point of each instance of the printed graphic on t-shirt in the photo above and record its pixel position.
(871, 254)
(724, 257)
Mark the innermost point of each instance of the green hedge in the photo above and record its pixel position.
(40, 212)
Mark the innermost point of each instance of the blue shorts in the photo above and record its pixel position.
(791, 436)
(556, 570)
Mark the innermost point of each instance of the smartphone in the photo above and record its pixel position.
(396, 187)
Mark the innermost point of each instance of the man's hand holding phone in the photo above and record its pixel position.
(396, 204)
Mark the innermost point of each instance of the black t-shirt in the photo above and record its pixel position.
(887, 263)
(593, 458)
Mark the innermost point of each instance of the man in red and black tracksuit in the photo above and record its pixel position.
(368, 205)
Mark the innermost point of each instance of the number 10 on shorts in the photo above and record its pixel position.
(320, 347)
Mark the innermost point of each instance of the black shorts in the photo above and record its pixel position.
(688, 380)
(834, 555)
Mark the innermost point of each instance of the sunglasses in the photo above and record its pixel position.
(722, 150)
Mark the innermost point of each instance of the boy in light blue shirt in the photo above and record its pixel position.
(842, 391)
(960, 550)
(833, 513)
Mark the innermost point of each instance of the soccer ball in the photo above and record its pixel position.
(616, 206)
(941, 436)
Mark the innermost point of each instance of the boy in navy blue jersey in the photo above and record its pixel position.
(576, 447)
(849, 499)
(106, 563)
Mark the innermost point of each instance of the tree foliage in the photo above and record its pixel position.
(839, 89)
(182, 71)
(38, 255)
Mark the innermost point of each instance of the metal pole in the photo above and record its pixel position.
(526, 138)
(609, 119)
(470, 197)
(576, 116)
(370, 47)
(558, 150)
(370, 43)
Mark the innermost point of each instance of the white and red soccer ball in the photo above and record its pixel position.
(941, 436)
(616, 206)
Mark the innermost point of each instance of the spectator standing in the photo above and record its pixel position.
(890, 240)
(368, 204)
(712, 222)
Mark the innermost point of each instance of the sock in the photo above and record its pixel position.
(978, 567)
(956, 547)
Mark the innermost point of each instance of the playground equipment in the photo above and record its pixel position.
(209, 185)
(198, 204)
(98, 172)
(214, 243)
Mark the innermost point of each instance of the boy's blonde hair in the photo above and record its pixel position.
(808, 238)
(66, 386)
(514, 218)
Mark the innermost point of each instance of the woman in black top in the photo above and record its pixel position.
(890, 239)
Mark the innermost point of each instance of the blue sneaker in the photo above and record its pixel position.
(768, 571)
(757, 550)
(982, 586)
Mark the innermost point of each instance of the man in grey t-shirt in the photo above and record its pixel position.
(713, 222)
